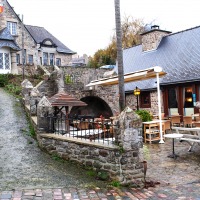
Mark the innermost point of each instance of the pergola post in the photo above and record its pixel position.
(157, 70)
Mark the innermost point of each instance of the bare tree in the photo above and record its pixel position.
(119, 55)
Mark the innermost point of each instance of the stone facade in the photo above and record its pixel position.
(31, 47)
(77, 78)
(131, 101)
(152, 38)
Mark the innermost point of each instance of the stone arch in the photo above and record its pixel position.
(95, 107)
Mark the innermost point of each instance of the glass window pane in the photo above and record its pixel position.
(7, 61)
(45, 58)
(51, 59)
(172, 99)
(1, 60)
(12, 27)
(18, 59)
(24, 56)
(30, 59)
(58, 61)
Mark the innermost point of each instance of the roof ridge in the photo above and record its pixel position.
(34, 26)
(188, 29)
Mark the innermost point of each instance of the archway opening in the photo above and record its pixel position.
(95, 108)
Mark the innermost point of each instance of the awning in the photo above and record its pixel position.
(154, 72)
(130, 77)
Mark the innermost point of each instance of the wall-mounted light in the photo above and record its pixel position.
(136, 92)
(189, 99)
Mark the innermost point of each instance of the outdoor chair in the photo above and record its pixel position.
(187, 121)
(176, 120)
(167, 126)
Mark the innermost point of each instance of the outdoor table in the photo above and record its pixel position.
(173, 136)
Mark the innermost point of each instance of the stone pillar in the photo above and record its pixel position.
(130, 142)
(14, 69)
(26, 90)
(44, 109)
(34, 100)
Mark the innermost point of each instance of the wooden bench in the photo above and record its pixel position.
(190, 135)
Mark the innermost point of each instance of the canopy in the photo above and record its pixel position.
(130, 77)
(154, 72)
(64, 99)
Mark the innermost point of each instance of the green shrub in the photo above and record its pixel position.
(68, 79)
(4, 78)
(145, 115)
(14, 89)
(115, 183)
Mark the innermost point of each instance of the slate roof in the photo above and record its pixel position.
(178, 54)
(7, 40)
(39, 34)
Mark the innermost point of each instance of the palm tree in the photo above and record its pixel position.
(119, 55)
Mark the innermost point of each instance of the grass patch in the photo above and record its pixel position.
(57, 158)
(91, 173)
(115, 184)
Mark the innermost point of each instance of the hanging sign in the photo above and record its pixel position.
(1, 8)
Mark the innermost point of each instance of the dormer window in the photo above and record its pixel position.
(48, 43)
(12, 27)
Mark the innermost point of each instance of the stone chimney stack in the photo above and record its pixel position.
(151, 39)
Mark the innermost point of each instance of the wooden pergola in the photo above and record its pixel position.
(63, 100)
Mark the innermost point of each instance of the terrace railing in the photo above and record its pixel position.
(83, 127)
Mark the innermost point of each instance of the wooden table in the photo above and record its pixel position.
(152, 130)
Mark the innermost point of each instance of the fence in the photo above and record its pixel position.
(83, 127)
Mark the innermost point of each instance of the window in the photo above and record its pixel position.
(24, 56)
(58, 61)
(188, 98)
(12, 27)
(172, 98)
(145, 100)
(45, 58)
(18, 59)
(51, 59)
(4, 61)
(1, 61)
(30, 59)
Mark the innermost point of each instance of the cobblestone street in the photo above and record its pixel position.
(27, 173)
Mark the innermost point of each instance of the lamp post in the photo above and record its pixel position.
(137, 93)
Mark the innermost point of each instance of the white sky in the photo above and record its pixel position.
(87, 25)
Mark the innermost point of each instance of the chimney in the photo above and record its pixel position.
(152, 38)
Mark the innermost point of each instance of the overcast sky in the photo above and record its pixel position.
(87, 25)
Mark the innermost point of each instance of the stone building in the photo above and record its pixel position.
(178, 54)
(31, 45)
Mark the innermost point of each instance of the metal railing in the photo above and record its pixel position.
(83, 127)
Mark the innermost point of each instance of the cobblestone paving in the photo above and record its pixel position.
(184, 192)
(27, 173)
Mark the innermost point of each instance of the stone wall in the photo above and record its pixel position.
(79, 77)
(131, 101)
(123, 161)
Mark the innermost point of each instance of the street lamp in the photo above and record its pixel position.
(137, 93)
